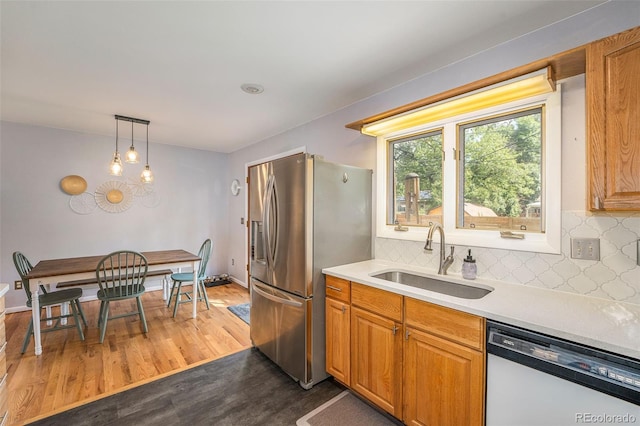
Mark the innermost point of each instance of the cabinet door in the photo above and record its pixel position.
(444, 382)
(338, 334)
(376, 360)
(613, 123)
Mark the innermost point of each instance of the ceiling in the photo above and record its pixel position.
(180, 64)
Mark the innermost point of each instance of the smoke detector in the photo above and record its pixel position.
(252, 89)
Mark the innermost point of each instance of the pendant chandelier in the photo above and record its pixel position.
(132, 156)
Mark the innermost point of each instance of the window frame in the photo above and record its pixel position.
(547, 242)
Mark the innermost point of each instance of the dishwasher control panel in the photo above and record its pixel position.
(609, 373)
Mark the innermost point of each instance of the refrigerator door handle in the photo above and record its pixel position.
(271, 221)
(274, 298)
(266, 220)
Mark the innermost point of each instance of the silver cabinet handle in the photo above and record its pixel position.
(334, 288)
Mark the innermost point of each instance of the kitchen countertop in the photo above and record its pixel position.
(600, 323)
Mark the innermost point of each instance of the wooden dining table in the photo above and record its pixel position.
(51, 272)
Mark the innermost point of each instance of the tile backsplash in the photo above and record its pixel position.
(615, 276)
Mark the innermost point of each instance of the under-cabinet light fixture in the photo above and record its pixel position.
(522, 87)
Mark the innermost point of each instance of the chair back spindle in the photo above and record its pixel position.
(122, 273)
(204, 254)
(23, 266)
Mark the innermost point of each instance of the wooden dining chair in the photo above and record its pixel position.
(121, 276)
(186, 278)
(48, 299)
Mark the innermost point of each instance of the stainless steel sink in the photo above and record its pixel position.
(434, 284)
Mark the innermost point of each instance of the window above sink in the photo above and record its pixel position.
(478, 173)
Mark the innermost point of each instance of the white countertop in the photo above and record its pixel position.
(600, 323)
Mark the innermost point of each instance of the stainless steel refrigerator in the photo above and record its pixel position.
(305, 214)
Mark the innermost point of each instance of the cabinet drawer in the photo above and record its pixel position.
(338, 288)
(375, 300)
(453, 325)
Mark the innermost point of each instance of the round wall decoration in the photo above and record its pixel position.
(138, 188)
(84, 203)
(150, 199)
(235, 187)
(114, 196)
(73, 184)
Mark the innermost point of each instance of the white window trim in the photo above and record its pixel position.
(547, 242)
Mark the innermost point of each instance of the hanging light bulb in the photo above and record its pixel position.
(131, 156)
(115, 168)
(147, 174)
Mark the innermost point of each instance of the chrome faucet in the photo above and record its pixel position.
(445, 262)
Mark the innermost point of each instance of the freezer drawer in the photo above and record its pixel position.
(278, 328)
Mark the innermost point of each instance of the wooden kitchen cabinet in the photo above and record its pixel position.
(376, 347)
(420, 362)
(444, 366)
(443, 382)
(338, 329)
(613, 122)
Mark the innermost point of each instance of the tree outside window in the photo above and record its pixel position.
(499, 177)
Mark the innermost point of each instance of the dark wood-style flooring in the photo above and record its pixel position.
(242, 389)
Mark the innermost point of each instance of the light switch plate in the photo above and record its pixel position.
(585, 248)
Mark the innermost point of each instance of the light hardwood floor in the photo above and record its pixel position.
(71, 372)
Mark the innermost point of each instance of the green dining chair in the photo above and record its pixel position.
(121, 276)
(186, 278)
(47, 299)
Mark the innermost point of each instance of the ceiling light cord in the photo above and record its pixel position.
(132, 156)
(115, 167)
(147, 174)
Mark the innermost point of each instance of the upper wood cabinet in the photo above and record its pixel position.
(613, 122)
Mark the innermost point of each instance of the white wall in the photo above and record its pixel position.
(35, 217)
(327, 135)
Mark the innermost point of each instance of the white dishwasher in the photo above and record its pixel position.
(538, 380)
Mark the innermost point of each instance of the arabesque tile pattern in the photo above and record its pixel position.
(616, 276)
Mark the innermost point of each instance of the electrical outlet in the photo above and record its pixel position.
(17, 285)
(585, 248)
(242, 221)
(233, 262)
